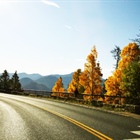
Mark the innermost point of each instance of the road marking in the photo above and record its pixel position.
(81, 125)
(134, 132)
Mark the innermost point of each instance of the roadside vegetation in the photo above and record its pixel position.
(8, 84)
(120, 88)
(124, 82)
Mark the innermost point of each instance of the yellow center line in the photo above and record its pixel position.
(81, 125)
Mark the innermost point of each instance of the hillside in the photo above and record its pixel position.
(66, 78)
(35, 86)
(31, 76)
(25, 75)
(49, 81)
(25, 81)
(66, 81)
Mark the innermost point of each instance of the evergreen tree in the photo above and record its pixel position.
(5, 81)
(131, 81)
(14, 82)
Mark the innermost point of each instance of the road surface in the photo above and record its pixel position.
(26, 118)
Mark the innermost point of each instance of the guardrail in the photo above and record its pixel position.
(105, 100)
(38, 92)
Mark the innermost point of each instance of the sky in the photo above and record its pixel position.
(56, 36)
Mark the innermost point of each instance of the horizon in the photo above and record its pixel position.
(41, 74)
(52, 36)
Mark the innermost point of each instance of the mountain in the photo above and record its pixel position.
(25, 81)
(66, 78)
(62, 75)
(49, 81)
(39, 82)
(29, 81)
(31, 76)
(35, 86)
(23, 75)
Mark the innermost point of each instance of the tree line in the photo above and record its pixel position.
(8, 84)
(124, 81)
(88, 81)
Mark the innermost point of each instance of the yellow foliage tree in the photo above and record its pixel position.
(90, 79)
(58, 87)
(74, 84)
(113, 84)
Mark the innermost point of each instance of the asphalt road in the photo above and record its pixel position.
(26, 118)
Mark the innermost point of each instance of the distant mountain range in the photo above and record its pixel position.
(39, 82)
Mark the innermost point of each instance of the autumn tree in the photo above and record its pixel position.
(128, 55)
(58, 87)
(90, 79)
(116, 54)
(74, 84)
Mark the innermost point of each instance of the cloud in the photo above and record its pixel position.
(50, 3)
(67, 26)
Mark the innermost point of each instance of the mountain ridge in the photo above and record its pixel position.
(39, 82)
(29, 81)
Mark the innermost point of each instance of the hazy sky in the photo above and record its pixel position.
(56, 36)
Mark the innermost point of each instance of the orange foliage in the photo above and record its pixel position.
(58, 87)
(74, 84)
(91, 77)
(113, 83)
(128, 54)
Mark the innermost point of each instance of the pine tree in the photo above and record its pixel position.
(4, 81)
(14, 83)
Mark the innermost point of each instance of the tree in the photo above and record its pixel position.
(137, 40)
(112, 84)
(131, 80)
(90, 79)
(58, 87)
(14, 82)
(4, 81)
(116, 54)
(129, 54)
(74, 84)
